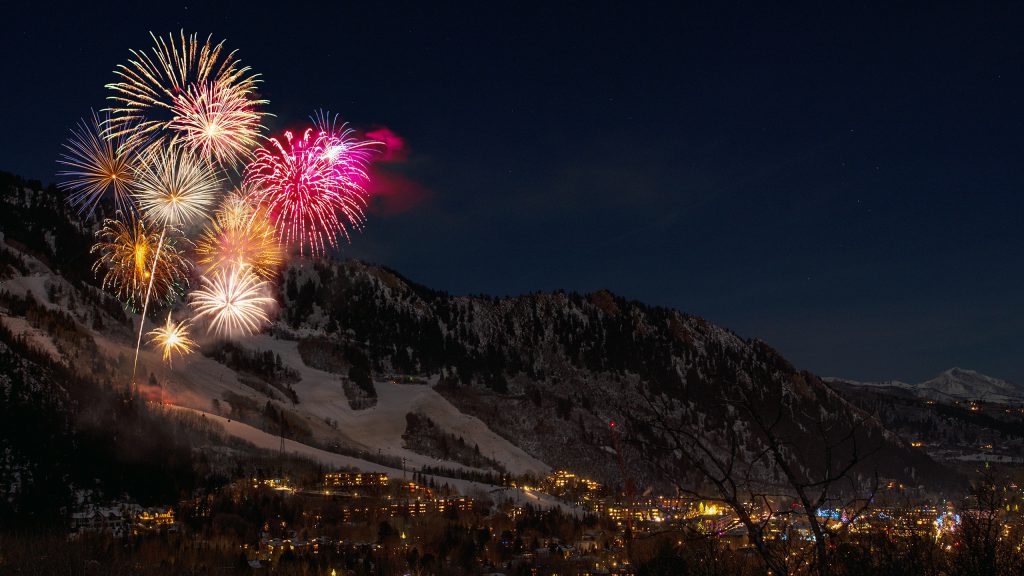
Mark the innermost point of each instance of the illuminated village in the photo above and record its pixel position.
(349, 522)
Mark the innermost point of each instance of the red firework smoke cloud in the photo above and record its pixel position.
(391, 191)
(395, 145)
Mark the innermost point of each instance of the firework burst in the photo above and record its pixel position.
(127, 259)
(310, 187)
(173, 187)
(343, 148)
(235, 210)
(234, 301)
(172, 338)
(149, 86)
(96, 166)
(217, 121)
(239, 236)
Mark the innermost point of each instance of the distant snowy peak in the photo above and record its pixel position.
(954, 384)
(970, 385)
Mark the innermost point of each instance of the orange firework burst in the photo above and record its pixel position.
(235, 210)
(96, 166)
(218, 121)
(234, 300)
(240, 236)
(173, 187)
(127, 250)
(172, 337)
(149, 86)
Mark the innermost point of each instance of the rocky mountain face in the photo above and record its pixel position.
(551, 371)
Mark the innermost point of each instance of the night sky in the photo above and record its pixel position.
(843, 183)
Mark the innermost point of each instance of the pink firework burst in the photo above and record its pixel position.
(311, 187)
(344, 148)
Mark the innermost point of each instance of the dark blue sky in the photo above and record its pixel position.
(843, 182)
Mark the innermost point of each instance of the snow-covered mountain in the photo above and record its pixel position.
(521, 384)
(953, 384)
(971, 385)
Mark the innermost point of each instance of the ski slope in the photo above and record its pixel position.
(266, 441)
(195, 381)
(320, 393)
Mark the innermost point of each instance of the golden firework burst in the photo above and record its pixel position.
(172, 338)
(127, 254)
(240, 236)
(150, 85)
(218, 121)
(95, 166)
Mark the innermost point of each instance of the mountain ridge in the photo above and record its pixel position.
(956, 384)
(531, 365)
(542, 373)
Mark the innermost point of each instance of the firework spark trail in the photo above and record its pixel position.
(96, 165)
(148, 86)
(145, 304)
(311, 187)
(173, 188)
